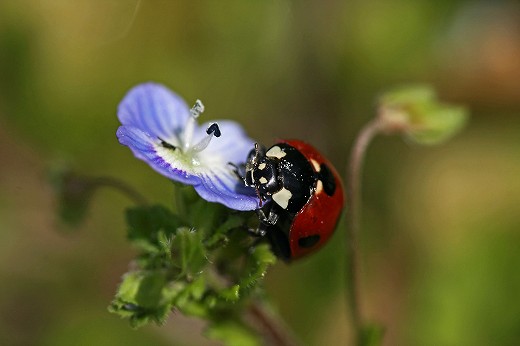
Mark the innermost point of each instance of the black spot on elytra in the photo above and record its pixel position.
(327, 178)
(310, 241)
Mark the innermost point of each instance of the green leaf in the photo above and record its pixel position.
(440, 124)
(175, 273)
(244, 266)
(232, 333)
(257, 264)
(149, 294)
(231, 294)
(205, 216)
(234, 221)
(418, 114)
(199, 213)
(191, 300)
(145, 297)
(188, 252)
(144, 224)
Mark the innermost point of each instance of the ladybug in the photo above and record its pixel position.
(301, 196)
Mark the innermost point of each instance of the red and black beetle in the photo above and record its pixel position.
(301, 193)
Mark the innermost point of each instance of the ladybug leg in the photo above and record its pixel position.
(238, 170)
(267, 214)
(268, 217)
(261, 215)
(273, 217)
(260, 231)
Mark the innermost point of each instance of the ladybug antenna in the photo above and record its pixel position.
(257, 151)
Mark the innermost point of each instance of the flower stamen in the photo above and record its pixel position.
(197, 109)
(191, 123)
(213, 130)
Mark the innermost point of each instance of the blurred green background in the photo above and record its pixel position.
(441, 237)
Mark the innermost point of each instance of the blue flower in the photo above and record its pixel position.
(160, 129)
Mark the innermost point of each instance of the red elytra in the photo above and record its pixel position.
(320, 215)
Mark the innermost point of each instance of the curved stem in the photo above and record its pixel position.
(121, 186)
(274, 329)
(354, 171)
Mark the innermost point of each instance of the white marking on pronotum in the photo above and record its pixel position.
(262, 180)
(282, 197)
(261, 166)
(316, 165)
(276, 151)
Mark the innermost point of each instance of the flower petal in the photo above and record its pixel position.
(159, 129)
(223, 187)
(232, 146)
(218, 181)
(145, 148)
(156, 110)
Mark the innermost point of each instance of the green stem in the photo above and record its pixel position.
(354, 171)
(179, 200)
(120, 186)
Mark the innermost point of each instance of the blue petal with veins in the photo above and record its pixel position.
(159, 128)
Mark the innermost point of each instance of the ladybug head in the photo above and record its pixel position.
(261, 173)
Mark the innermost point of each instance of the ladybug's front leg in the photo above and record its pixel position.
(268, 217)
(238, 171)
(267, 214)
(260, 231)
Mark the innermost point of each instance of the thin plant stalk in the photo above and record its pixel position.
(273, 328)
(120, 186)
(354, 172)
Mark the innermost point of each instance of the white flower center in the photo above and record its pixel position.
(212, 130)
(187, 148)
